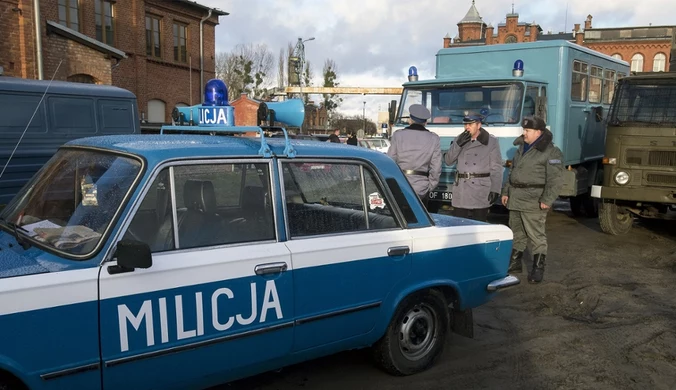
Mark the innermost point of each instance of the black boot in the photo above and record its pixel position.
(515, 264)
(538, 272)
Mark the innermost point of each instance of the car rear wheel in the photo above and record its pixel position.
(416, 335)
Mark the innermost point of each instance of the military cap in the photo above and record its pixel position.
(419, 113)
(533, 122)
(472, 118)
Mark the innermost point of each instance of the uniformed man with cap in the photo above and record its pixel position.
(478, 178)
(535, 179)
(417, 151)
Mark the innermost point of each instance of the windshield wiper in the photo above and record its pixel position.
(15, 230)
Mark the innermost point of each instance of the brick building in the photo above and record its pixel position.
(150, 47)
(646, 48)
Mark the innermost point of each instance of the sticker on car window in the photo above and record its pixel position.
(376, 201)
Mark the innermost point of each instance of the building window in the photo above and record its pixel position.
(69, 14)
(617, 56)
(82, 78)
(637, 63)
(180, 42)
(510, 39)
(105, 22)
(153, 43)
(578, 90)
(659, 62)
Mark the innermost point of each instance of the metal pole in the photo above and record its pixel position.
(363, 114)
(38, 38)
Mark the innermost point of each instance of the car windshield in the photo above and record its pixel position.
(497, 103)
(70, 203)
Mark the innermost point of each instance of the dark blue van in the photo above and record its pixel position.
(68, 111)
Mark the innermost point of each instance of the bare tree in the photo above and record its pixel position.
(330, 73)
(246, 69)
(308, 75)
(281, 76)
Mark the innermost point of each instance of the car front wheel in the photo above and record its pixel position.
(415, 337)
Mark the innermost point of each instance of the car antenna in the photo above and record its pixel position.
(30, 120)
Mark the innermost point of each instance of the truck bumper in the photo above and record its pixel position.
(643, 194)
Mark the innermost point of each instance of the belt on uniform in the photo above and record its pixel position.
(471, 175)
(521, 185)
(417, 173)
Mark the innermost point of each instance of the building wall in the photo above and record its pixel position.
(627, 50)
(163, 79)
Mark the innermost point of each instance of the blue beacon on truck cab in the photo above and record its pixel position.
(196, 257)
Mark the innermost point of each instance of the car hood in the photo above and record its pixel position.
(15, 261)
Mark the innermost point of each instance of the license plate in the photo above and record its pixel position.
(436, 195)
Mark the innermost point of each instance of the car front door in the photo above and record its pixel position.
(348, 249)
(218, 297)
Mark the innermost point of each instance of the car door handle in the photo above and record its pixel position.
(398, 251)
(270, 268)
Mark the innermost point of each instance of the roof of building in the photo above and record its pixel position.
(215, 11)
(472, 16)
(553, 37)
(54, 27)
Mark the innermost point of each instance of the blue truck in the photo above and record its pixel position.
(568, 85)
(60, 112)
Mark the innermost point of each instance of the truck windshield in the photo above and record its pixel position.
(647, 103)
(70, 203)
(497, 103)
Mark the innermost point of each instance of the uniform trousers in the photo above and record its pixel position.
(529, 227)
(475, 214)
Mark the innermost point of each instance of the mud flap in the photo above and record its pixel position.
(462, 323)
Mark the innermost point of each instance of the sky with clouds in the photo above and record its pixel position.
(374, 42)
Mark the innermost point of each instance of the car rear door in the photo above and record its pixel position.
(347, 246)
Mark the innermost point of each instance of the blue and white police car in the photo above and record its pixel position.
(179, 261)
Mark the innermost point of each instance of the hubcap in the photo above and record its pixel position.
(417, 332)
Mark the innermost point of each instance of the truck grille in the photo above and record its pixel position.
(662, 158)
(661, 179)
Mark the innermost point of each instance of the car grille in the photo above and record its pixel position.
(661, 179)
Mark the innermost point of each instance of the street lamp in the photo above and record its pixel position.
(363, 114)
(301, 47)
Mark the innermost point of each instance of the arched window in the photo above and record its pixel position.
(156, 111)
(510, 39)
(637, 63)
(617, 56)
(82, 78)
(659, 62)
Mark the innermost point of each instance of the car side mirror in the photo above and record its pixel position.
(131, 254)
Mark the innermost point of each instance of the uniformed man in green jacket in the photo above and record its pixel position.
(535, 180)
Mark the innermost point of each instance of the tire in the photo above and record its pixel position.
(584, 205)
(613, 221)
(576, 206)
(416, 335)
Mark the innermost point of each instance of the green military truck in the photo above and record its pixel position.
(639, 175)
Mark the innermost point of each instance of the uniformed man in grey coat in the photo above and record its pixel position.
(478, 178)
(417, 151)
(535, 180)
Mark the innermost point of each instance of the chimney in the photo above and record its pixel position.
(489, 34)
(587, 23)
(576, 29)
(533, 32)
(447, 41)
(579, 38)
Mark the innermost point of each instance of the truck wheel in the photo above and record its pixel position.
(613, 221)
(584, 204)
(576, 206)
(416, 335)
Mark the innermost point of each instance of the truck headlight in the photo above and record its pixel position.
(621, 178)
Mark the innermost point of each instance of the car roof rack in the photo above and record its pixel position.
(264, 150)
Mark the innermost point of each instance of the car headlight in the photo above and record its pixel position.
(621, 178)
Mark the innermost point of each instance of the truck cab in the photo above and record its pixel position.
(640, 160)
